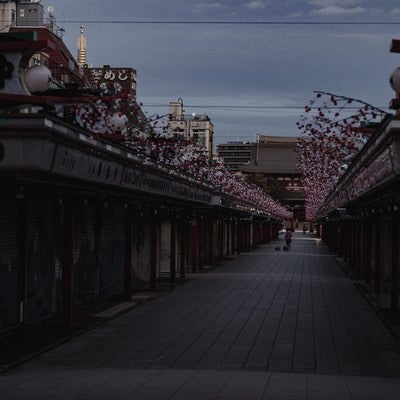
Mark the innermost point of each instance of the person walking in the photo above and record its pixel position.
(288, 238)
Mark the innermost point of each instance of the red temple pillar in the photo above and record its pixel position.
(153, 250)
(68, 270)
(172, 251)
(395, 260)
(378, 253)
(210, 241)
(183, 241)
(128, 254)
(195, 245)
(367, 251)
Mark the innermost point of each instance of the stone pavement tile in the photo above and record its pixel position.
(327, 387)
(193, 395)
(203, 385)
(245, 385)
(286, 386)
(263, 310)
(257, 359)
(373, 388)
(330, 368)
(137, 384)
(33, 388)
(151, 394)
(77, 386)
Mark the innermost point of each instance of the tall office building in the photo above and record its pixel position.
(197, 128)
(235, 154)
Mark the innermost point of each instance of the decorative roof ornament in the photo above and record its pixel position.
(395, 78)
(82, 46)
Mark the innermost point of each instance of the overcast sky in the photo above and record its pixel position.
(241, 75)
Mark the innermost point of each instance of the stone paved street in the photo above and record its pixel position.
(267, 325)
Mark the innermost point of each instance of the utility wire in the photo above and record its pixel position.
(221, 22)
(254, 107)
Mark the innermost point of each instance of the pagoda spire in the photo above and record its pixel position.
(82, 47)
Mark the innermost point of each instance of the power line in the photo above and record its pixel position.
(221, 22)
(254, 107)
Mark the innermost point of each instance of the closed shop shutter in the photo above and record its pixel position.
(85, 270)
(141, 252)
(9, 309)
(112, 252)
(40, 260)
(59, 256)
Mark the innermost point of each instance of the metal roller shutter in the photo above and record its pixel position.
(9, 309)
(112, 252)
(40, 260)
(85, 269)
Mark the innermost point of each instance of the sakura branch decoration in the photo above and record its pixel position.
(116, 117)
(180, 157)
(120, 119)
(334, 129)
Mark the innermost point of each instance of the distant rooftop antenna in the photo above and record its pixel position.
(82, 47)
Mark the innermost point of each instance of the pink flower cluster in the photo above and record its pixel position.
(334, 130)
(105, 118)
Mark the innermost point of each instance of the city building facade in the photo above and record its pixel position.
(197, 128)
(235, 154)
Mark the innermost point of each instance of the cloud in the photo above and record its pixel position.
(369, 38)
(202, 8)
(296, 14)
(255, 5)
(395, 12)
(337, 8)
(336, 11)
(335, 3)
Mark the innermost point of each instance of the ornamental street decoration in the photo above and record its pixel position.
(113, 115)
(117, 119)
(334, 129)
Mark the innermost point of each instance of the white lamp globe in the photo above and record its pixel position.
(118, 122)
(395, 80)
(38, 78)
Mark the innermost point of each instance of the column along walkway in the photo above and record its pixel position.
(269, 324)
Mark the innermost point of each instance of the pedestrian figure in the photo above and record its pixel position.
(304, 229)
(288, 237)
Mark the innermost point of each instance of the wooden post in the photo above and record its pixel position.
(21, 248)
(172, 265)
(394, 301)
(195, 245)
(367, 251)
(68, 270)
(153, 250)
(378, 250)
(98, 226)
(221, 236)
(210, 241)
(202, 242)
(183, 239)
(128, 254)
(236, 237)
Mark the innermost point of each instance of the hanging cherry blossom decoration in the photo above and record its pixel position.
(120, 119)
(334, 129)
(116, 117)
